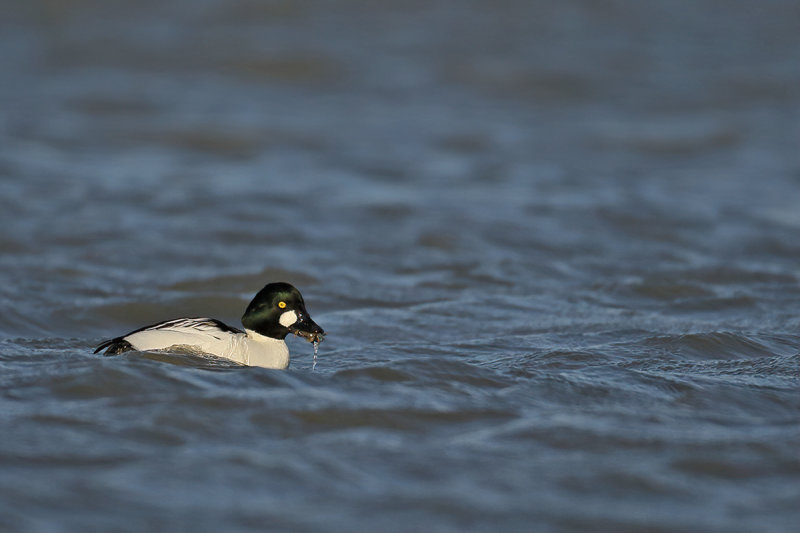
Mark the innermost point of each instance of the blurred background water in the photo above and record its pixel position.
(554, 246)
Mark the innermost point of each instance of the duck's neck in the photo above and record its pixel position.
(264, 351)
(258, 337)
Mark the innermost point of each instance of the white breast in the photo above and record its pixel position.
(264, 351)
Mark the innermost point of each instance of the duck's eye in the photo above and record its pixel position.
(282, 305)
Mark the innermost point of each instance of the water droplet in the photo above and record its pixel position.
(316, 347)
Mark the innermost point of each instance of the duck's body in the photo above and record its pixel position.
(277, 310)
(204, 335)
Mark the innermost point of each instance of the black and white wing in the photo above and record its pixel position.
(200, 332)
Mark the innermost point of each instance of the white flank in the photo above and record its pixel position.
(248, 348)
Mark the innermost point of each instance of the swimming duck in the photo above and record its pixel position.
(277, 310)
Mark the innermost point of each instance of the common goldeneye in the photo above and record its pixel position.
(277, 310)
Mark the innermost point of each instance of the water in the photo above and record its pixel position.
(554, 247)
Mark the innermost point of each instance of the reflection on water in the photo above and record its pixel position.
(554, 246)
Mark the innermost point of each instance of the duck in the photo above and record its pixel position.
(274, 312)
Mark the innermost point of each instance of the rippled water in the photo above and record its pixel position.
(554, 245)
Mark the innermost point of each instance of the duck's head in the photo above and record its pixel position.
(277, 310)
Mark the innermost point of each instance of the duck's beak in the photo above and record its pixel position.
(307, 328)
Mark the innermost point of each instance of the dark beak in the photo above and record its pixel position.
(307, 328)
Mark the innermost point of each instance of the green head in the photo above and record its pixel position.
(277, 310)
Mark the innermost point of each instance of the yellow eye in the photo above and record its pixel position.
(282, 305)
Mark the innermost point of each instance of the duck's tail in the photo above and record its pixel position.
(115, 346)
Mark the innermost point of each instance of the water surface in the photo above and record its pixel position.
(554, 246)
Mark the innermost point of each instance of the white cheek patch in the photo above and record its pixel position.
(288, 318)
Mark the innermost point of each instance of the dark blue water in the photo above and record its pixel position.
(554, 245)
